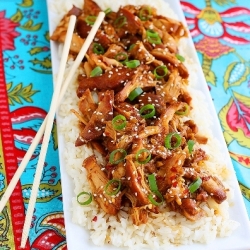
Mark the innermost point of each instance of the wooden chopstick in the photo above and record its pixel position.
(41, 130)
(50, 116)
(55, 100)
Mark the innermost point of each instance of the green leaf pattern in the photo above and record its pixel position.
(235, 75)
(30, 27)
(17, 17)
(46, 192)
(28, 24)
(19, 93)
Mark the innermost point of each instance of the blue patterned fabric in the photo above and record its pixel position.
(221, 33)
(28, 76)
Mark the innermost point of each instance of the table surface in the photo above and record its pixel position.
(221, 34)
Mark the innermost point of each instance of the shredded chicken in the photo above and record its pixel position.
(139, 119)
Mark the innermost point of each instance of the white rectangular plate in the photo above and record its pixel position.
(78, 238)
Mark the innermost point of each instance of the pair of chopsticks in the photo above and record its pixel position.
(47, 124)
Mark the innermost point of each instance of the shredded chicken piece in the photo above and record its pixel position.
(87, 105)
(140, 52)
(169, 58)
(139, 215)
(171, 90)
(191, 210)
(98, 180)
(133, 24)
(96, 125)
(113, 79)
(136, 182)
(173, 27)
(91, 8)
(141, 79)
(215, 188)
(60, 36)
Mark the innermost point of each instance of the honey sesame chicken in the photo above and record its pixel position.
(134, 109)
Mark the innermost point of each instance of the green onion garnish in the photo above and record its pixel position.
(107, 11)
(135, 93)
(120, 21)
(121, 57)
(132, 64)
(112, 157)
(98, 49)
(152, 183)
(139, 155)
(153, 37)
(168, 141)
(195, 185)
(153, 187)
(154, 40)
(180, 58)
(110, 182)
(147, 111)
(145, 13)
(96, 71)
(88, 201)
(152, 33)
(190, 146)
(90, 20)
(131, 47)
(184, 110)
(153, 201)
(160, 71)
(119, 122)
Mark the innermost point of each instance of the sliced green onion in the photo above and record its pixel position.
(139, 154)
(112, 157)
(180, 58)
(145, 13)
(119, 122)
(152, 33)
(107, 11)
(90, 20)
(152, 183)
(160, 71)
(184, 110)
(121, 57)
(147, 111)
(132, 64)
(195, 185)
(88, 201)
(153, 37)
(190, 146)
(96, 71)
(98, 49)
(153, 187)
(153, 201)
(135, 93)
(131, 47)
(120, 21)
(154, 40)
(110, 182)
(168, 141)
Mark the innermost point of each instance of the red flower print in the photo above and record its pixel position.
(53, 237)
(238, 117)
(212, 29)
(7, 32)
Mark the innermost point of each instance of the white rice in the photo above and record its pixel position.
(164, 229)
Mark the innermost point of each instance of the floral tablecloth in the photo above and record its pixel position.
(25, 92)
(220, 30)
